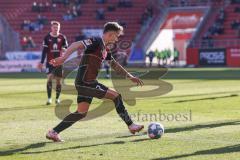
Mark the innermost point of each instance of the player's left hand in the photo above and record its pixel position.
(57, 61)
(136, 80)
(40, 66)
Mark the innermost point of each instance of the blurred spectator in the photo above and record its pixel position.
(100, 14)
(235, 24)
(218, 27)
(54, 7)
(35, 7)
(73, 13)
(58, 1)
(47, 7)
(41, 7)
(78, 6)
(30, 42)
(68, 16)
(222, 16)
(34, 26)
(77, 2)
(111, 8)
(235, 1)
(144, 18)
(24, 43)
(207, 40)
(125, 3)
(151, 55)
(175, 56)
(148, 13)
(65, 2)
(183, 3)
(76, 11)
(27, 43)
(25, 25)
(42, 20)
(158, 55)
(101, 1)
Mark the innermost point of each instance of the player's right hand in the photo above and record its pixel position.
(40, 66)
(57, 61)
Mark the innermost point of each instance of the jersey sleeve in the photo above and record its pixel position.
(65, 43)
(91, 43)
(45, 42)
(44, 50)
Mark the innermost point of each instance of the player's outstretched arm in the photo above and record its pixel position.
(73, 47)
(120, 70)
(44, 54)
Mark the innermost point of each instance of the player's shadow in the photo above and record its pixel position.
(221, 150)
(234, 93)
(14, 151)
(190, 128)
(86, 146)
(25, 108)
(201, 99)
(141, 140)
(76, 147)
(210, 74)
(132, 135)
(202, 126)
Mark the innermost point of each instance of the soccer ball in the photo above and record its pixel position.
(155, 130)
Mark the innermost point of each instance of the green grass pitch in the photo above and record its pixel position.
(208, 98)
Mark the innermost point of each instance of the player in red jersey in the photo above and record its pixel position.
(54, 44)
(86, 84)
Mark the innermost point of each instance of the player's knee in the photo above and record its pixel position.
(49, 82)
(58, 81)
(117, 95)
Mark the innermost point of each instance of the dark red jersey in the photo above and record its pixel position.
(91, 62)
(52, 46)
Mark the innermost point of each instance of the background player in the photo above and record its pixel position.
(86, 83)
(54, 44)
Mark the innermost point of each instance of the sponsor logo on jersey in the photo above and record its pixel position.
(88, 42)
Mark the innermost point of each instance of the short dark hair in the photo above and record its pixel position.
(112, 26)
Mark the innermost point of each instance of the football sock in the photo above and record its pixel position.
(49, 89)
(69, 121)
(58, 90)
(122, 112)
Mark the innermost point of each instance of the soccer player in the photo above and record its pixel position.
(86, 84)
(54, 44)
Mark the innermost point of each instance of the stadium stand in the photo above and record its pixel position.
(130, 15)
(229, 33)
(16, 13)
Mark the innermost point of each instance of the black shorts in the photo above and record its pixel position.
(86, 91)
(56, 71)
